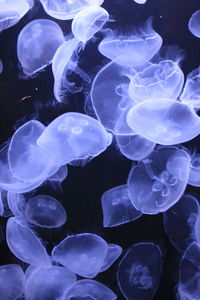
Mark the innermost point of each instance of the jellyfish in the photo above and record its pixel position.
(89, 289)
(164, 121)
(113, 253)
(179, 222)
(140, 1)
(134, 147)
(194, 24)
(139, 271)
(37, 43)
(158, 182)
(11, 11)
(48, 283)
(60, 175)
(16, 203)
(1, 66)
(194, 174)
(25, 245)
(4, 207)
(117, 207)
(45, 211)
(11, 282)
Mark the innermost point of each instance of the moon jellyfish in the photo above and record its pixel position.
(4, 207)
(164, 121)
(194, 24)
(37, 44)
(1, 66)
(45, 211)
(16, 203)
(11, 11)
(113, 253)
(74, 136)
(88, 22)
(139, 271)
(25, 245)
(11, 282)
(134, 147)
(158, 182)
(179, 222)
(140, 1)
(60, 175)
(117, 207)
(89, 289)
(49, 283)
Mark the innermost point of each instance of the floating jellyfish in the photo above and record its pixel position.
(45, 211)
(4, 207)
(194, 24)
(139, 271)
(25, 245)
(60, 175)
(140, 1)
(16, 203)
(37, 44)
(74, 136)
(113, 253)
(88, 22)
(1, 66)
(158, 182)
(11, 282)
(179, 222)
(134, 147)
(117, 207)
(49, 283)
(194, 175)
(164, 121)
(11, 11)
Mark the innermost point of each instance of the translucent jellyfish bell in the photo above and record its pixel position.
(158, 182)
(45, 211)
(117, 207)
(60, 175)
(164, 121)
(37, 44)
(16, 203)
(194, 175)
(113, 253)
(139, 271)
(194, 24)
(25, 245)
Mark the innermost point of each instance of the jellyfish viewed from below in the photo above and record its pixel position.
(158, 182)
(117, 207)
(164, 121)
(16, 203)
(194, 24)
(139, 271)
(37, 44)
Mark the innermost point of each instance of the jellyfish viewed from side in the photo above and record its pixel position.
(194, 24)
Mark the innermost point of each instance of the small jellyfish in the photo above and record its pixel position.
(16, 203)
(194, 24)
(25, 245)
(139, 271)
(11, 282)
(48, 283)
(4, 207)
(45, 211)
(37, 44)
(117, 207)
(158, 182)
(164, 121)
(140, 1)
(113, 253)
(60, 175)
(1, 66)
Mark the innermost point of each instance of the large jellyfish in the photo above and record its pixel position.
(117, 207)
(194, 24)
(164, 121)
(139, 271)
(158, 182)
(37, 44)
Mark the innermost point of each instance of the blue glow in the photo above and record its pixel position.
(194, 24)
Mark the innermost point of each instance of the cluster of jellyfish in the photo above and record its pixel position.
(140, 101)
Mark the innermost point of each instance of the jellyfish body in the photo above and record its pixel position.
(194, 174)
(113, 253)
(194, 24)
(140, 1)
(117, 207)
(16, 203)
(158, 182)
(164, 121)
(37, 44)
(139, 271)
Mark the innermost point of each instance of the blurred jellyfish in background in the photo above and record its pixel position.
(1, 66)
(60, 175)
(139, 271)
(16, 203)
(4, 207)
(194, 24)
(37, 44)
(158, 182)
(11, 11)
(117, 207)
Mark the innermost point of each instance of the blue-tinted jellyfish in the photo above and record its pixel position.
(74, 136)
(117, 207)
(60, 175)
(4, 207)
(140, 1)
(11, 282)
(113, 253)
(158, 182)
(1, 66)
(194, 24)
(25, 245)
(37, 44)
(88, 22)
(16, 203)
(134, 147)
(11, 11)
(139, 271)
(194, 175)
(179, 222)
(45, 211)
(164, 121)
(49, 283)
(66, 10)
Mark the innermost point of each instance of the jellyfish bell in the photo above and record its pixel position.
(16, 203)
(194, 170)
(194, 24)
